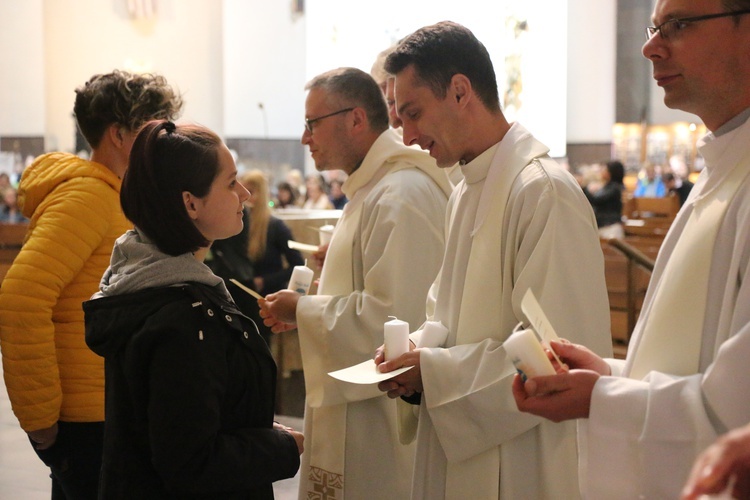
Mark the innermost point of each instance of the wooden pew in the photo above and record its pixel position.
(649, 208)
(11, 239)
(627, 271)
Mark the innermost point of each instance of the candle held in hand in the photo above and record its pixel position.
(433, 334)
(396, 338)
(301, 279)
(325, 233)
(528, 356)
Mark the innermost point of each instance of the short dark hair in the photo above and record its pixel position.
(123, 98)
(352, 87)
(167, 160)
(442, 50)
(616, 171)
(735, 5)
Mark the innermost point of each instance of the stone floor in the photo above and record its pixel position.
(24, 477)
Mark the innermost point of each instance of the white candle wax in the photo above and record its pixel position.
(433, 334)
(396, 338)
(527, 354)
(325, 233)
(301, 279)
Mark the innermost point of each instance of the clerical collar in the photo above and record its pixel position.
(476, 170)
(732, 124)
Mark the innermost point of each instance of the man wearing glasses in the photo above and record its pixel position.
(684, 381)
(385, 252)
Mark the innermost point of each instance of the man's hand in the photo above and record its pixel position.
(564, 396)
(581, 357)
(44, 438)
(319, 257)
(405, 384)
(279, 310)
(728, 457)
(299, 438)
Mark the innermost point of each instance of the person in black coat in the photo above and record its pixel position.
(607, 201)
(189, 382)
(677, 186)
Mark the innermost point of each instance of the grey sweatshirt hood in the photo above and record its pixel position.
(138, 264)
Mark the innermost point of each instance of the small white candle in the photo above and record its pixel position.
(325, 233)
(396, 338)
(527, 354)
(433, 334)
(301, 279)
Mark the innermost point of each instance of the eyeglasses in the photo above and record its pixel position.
(673, 27)
(309, 123)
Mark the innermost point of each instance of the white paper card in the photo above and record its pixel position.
(302, 247)
(539, 322)
(533, 311)
(366, 373)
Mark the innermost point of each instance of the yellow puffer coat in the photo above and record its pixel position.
(50, 373)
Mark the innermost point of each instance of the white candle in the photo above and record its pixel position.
(325, 233)
(527, 354)
(396, 338)
(433, 334)
(301, 279)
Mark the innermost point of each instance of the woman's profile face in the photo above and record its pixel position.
(218, 215)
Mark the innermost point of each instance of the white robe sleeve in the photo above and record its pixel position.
(550, 246)
(657, 426)
(397, 254)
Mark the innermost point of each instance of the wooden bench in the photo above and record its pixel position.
(11, 239)
(650, 208)
(627, 272)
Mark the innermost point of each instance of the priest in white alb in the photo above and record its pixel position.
(517, 222)
(685, 379)
(385, 252)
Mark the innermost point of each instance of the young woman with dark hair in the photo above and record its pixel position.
(190, 384)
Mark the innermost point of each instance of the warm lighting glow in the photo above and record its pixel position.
(142, 9)
(635, 144)
(138, 66)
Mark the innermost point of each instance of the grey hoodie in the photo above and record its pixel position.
(138, 264)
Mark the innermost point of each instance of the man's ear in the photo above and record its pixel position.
(360, 118)
(191, 205)
(115, 135)
(460, 89)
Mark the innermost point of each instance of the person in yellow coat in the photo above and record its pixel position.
(55, 383)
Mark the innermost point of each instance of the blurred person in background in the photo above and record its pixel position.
(259, 256)
(607, 200)
(286, 196)
(649, 183)
(316, 194)
(337, 196)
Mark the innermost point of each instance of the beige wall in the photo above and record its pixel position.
(227, 56)
(85, 37)
(21, 68)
